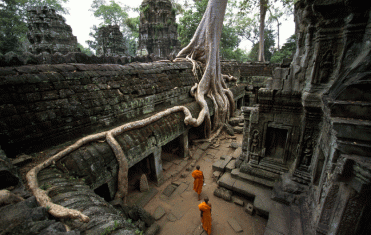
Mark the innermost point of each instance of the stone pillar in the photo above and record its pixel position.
(183, 141)
(158, 165)
(246, 136)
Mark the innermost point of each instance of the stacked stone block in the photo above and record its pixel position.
(158, 29)
(48, 32)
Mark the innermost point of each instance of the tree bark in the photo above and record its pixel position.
(263, 12)
(204, 47)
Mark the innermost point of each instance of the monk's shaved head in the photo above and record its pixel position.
(198, 167)
(206, 199)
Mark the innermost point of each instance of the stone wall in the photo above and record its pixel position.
(249, 71)
(44, 105)
(331, 70)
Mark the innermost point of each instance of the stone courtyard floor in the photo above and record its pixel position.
(175, 205)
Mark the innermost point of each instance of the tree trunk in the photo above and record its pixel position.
(278, 34)
(263, 11)
(204, 47)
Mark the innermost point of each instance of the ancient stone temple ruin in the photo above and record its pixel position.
(304, 162)
(158, 29)
(48, 32)
(307, 141)
(110, 41)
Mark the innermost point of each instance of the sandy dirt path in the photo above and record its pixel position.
(182, 214)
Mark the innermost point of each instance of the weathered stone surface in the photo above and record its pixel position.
(158, 32)
(225, 163)
(159, 213)
(238, 201)
(238, 129)
(230, 166)
(235, 145)
(234, 224)
(171, 217)
(110, 41)
(216, 166)
(21, 160)
(226, 181)
(249, 209)
(228, 129)
(153, 229)
(237, 153)
(223, 193)
(234, 121)
(169, 190)
(216, 175)
(26, 217)
(143, 184)
(8, 172)
(180, 189)
(49, 32)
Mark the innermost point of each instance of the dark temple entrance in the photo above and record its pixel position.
(275, 143)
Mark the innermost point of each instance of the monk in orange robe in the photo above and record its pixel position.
(205, 209)
(199, 181)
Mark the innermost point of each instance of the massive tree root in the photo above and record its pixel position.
(203, 48)
(122, 189)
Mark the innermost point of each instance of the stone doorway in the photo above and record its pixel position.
(275, 143)
(171, 156)
(145, 166)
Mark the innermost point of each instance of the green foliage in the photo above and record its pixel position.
(138, 232)
(159, 26)
(287, 50)
(12, 25)
(190, 21)
(84, 49)
(144, 8)
(248, 25)
(55, 4)
(112, 14)
(109, 230)
(133, 24)
(45, 186)
(229, 40)
(268, 47)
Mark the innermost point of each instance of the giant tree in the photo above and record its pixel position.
(264, 6)
(191, 18)
(203, 49)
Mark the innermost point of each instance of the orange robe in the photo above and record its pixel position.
(206, 216)
(199, 181)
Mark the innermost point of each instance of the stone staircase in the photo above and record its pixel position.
(282, 219)
(301, 176)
